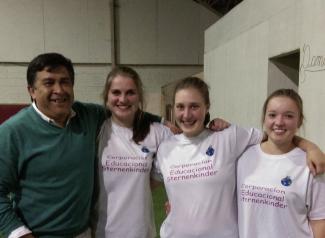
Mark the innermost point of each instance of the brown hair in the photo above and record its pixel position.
(289, 93)
(141, 123)
(198, 84)
(50, 62)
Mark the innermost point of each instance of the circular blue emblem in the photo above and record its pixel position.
(145, 149)
(286, 181)
(210, 151)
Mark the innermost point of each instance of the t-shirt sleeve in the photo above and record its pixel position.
(245, 137)
(317, 199)
(162, 133)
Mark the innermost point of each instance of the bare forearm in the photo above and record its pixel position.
(304, 144)
(318, 227)
(315, 157)
(28, 236)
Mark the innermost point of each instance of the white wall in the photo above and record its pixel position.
(312, 65)
(163, 31)
(21, 27)
(162, 38)
(237, 74)
(237, 52)
(77, 28)
(13, 84)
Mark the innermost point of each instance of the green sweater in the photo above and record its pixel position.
(50, 172)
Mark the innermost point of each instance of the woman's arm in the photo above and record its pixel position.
(218, 124)
(315, 157)
(172, 127)
(318, 228)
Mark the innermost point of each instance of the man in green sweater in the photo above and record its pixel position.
(47, 157)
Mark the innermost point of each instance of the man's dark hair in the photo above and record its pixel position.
(51, 61)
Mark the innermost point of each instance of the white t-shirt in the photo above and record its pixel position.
(199, 176)
(277, 195)
(125, 202)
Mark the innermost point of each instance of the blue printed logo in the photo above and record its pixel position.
(210, 151)
(145, 149)
(286, 181)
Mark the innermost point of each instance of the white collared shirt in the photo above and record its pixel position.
(49, 120)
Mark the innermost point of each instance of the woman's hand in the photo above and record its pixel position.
(218, 124)
(172, 127)
(167, 207)
(28, 236)
(316, 161)
(315, 157)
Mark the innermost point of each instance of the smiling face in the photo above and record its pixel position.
(53, 93)
(190, 111)
(123, 100)
(282, 119)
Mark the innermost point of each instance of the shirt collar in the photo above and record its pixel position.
(49, 120)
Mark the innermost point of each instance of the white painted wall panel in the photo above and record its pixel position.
(138, 22)
(150, 31)
(99, 33)
(312, 74)
(285, 30)
(244, 16)
(79, 29)
(237, 75)
(176, 24)
(66, 28)
(21, 30)
(89, 83)
(13, 84)
(215, 71)
(162, 31)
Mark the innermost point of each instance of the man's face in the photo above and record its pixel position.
(53, 93)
